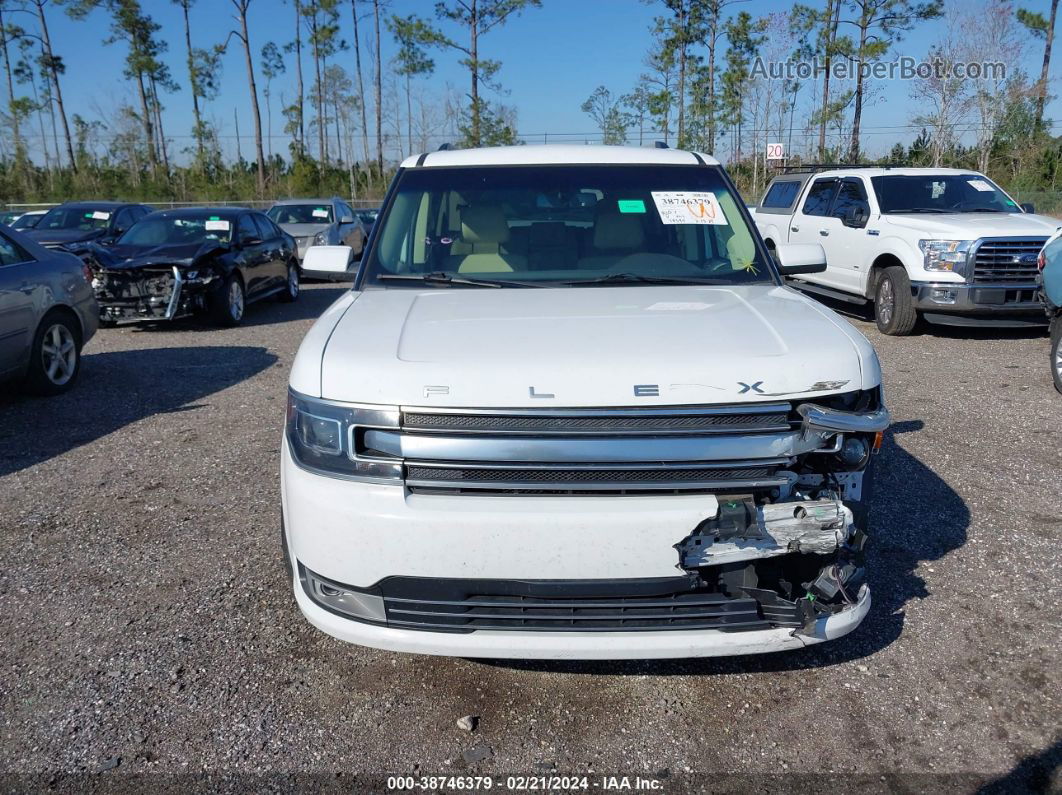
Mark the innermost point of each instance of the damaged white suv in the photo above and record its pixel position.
(569, 410)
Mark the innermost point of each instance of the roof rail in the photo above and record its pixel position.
(811, 168)
(660, 145)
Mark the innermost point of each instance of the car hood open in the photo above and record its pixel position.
(588, 347)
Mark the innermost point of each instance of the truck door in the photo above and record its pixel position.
(846, 238)
(812, 224)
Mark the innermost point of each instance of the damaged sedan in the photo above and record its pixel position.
(209, 261)
(593, 422)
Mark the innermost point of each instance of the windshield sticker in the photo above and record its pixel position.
(320, 213)
(631, 205)
(1011, 204)
(938, 189)
(688, 207)
(980, 184)
(98, 215)
(215, 225)
(678, 306)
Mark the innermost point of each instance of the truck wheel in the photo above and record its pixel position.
(894, 311)
(228, 303)
(55, 358)
(291, 287)
(1056, 351)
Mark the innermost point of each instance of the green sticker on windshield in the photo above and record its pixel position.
(214, 218)
(631, 205)
(1010, 203)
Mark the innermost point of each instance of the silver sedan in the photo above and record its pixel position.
(47, 314)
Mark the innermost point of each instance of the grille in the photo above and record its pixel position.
(464, 606)
(729, 422)
(998, 261)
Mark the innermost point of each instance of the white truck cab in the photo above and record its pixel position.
(570, 410)
(945, 244)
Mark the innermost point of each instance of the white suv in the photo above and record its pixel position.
(569, 410)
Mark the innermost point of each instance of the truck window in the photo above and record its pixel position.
(781, 194)
(819, 197)
(850, 194)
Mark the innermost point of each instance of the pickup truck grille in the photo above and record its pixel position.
(1006, 260)
(736, 448)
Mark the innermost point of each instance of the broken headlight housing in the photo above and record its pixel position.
(945, 255)
(323, 437)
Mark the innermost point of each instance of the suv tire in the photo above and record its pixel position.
(55, 358)
(894, 311)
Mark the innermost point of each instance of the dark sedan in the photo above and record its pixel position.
(82, 222)
(181, 262)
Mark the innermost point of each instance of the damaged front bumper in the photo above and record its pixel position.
(155, 293)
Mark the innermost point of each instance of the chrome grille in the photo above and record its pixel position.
(1000, 260)
(588, 451)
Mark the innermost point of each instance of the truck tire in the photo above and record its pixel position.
(894, 311)
(55, 358)
(228, 304)
(1056, 351)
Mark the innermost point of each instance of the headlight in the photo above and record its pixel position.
(945, 255)
(320, 239)
(324, 437)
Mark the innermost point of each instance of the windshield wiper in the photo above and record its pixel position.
(638, 278)
(986, 210)
(922, 210)
(445, 280)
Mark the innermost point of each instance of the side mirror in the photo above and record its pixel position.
(794, 258)
(329, 259)
(856, 217)
(347, 219)
(1028, 207)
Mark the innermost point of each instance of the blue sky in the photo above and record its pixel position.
(553, 57)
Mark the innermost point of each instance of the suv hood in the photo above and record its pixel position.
(583, 347)
(970, 226)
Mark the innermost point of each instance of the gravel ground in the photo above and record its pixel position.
(147, 628)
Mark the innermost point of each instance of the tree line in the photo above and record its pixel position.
(346, 114)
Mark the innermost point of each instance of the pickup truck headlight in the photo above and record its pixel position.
(945, 255)
(323, 438)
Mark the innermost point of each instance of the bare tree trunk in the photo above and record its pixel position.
(857, 111)
(713, 40)
(1042, 98)
(194, 85)
(55, 82)
(322, 153)
(236, 120)
(298, 76)
(157, 107)
(379, 89)
(269, 123)
(361, 86)
(833, 9)
(146, 121)
(15, 129)
(474, 57)
(681, 133)
(409, 114)
(241, 6)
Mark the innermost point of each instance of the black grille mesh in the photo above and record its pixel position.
(594, 424)
(642, 476)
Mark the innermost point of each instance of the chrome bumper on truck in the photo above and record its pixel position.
(603, 533)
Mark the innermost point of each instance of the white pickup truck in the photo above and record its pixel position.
(945, 244)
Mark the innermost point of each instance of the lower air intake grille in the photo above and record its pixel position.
(640, 476)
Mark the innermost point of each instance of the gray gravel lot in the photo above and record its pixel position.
(147, 627)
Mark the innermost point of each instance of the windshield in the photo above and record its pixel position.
(941, 193)
(176, 231)
(301, 214)
(564, 225)
(84, 219)
(27, 221)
